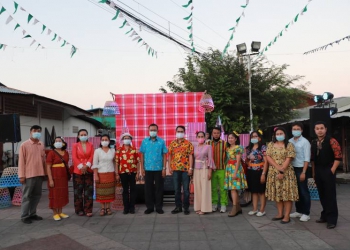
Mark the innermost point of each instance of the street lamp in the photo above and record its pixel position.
(242, 50)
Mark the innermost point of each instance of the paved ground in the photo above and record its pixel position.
(167, 231)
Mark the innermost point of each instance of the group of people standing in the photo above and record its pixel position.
(276, 172)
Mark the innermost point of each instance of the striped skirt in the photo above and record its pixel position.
(105, 190)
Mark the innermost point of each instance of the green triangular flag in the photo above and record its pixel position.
(287, 26)
(188, 4)
(16, 6)
(29, 17)
(296, 18)
(152, 52)
(124, 23)
(17, 26)
(305, 9)
(44, 27)
(54, 37)
(149, 50)
(103, 1)
(64, 43)
(190, 36)
(265, 48)
(270, 44)
(116, 14)
(232, 28)
(27, 36)
(38, 46)
(139, 40)
(186, 18)
(244, 6)
(281, 33)
(2, 10)
(275, 39)
(189, 27)
(231, 37)
(1, 45)
(129, 31)
(193, 49)
(73, 50)
(237, 20)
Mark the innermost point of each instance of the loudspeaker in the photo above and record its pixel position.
(10, 128)
(319, 114)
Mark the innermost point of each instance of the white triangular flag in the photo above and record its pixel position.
(48, 32)
(22, 9)
(243, 15)
(127, 24)
(147, 46)
(247, 2)
(189, 20)
(121, 15)
(143, 43)
(132, 34)
(4, 46)
(32, 42)
(67, 43)
(136, 38)
(24, 32)
(9, 19)
(35, 21)
(192, 7)
(112, 4)
(59, 39)
(156, 53)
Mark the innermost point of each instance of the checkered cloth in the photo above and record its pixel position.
(166, 110)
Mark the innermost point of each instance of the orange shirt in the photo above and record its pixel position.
(81, 157)
(180, 151)
(31, 159)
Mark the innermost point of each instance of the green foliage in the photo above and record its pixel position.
(274, 94)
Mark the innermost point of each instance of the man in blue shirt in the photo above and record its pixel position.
(153, 167)
(301, 164)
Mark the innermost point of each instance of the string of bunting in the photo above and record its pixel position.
(286, 27)
(56, 36)
(131, 32)
(189, 20)
(324, 47)
(24, 32)
(233, 29)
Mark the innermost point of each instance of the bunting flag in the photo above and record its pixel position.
(324, 47)
(286, 27)
(190, 22)
(138, 39)
(2, 10)
(233, 29)
(43, 27)
(3, 46)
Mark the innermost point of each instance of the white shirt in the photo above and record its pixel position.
(103, 161)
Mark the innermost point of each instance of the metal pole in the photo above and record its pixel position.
(250, 93)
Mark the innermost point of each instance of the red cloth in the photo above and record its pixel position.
(58, 195)
(166, 110)
(81, 157)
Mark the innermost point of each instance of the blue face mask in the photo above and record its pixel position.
(280, 137)
(36, 135)
(296, 133)
(254, 141)
(83, 138)
(153, 133)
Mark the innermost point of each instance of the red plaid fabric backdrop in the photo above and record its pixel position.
(166, 110)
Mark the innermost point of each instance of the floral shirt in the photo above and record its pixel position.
(127, 160)
(257, 162)
(180, 155)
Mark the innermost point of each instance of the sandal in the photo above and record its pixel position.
(108, 211)
(81, 213)
(102, 212)
(201, 213)
(89, 214)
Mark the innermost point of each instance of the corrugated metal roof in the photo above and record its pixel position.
(4, 89)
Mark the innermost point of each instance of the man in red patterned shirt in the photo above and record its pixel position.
(325, 158)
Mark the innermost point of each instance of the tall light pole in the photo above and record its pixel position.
(242, 50)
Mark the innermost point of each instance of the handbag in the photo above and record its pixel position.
(65, 165)
(191, 186)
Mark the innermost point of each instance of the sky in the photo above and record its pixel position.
(107, 60)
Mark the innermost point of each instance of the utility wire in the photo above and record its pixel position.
(166, 20)
(149, 26)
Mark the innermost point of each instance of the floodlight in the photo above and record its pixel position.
(327, 96)
(256, 46)
(333, 111)
(241, 48)
(318, 98)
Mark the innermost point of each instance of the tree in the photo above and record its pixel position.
(274, 94)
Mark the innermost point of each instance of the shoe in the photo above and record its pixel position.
(132, 211)
(26, 221)
(56, 217)
(64, 216)
(215, 207)
(108, 211)
(177, 210)
(233, 212)
(259, 214)
(148, 211)
(36, 217)
(285, 222)
(253, 212)
(295, 215)
(330, 226)
(223, 209)
(126, 212)
(81, 213)
(186, 211)
(160, 211)
(277, 218)
(239, 209)
(305, 218)
(321, 221)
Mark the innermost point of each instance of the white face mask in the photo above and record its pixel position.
(180, 135)
(127, 141)
(58, 144)
(104, 143)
